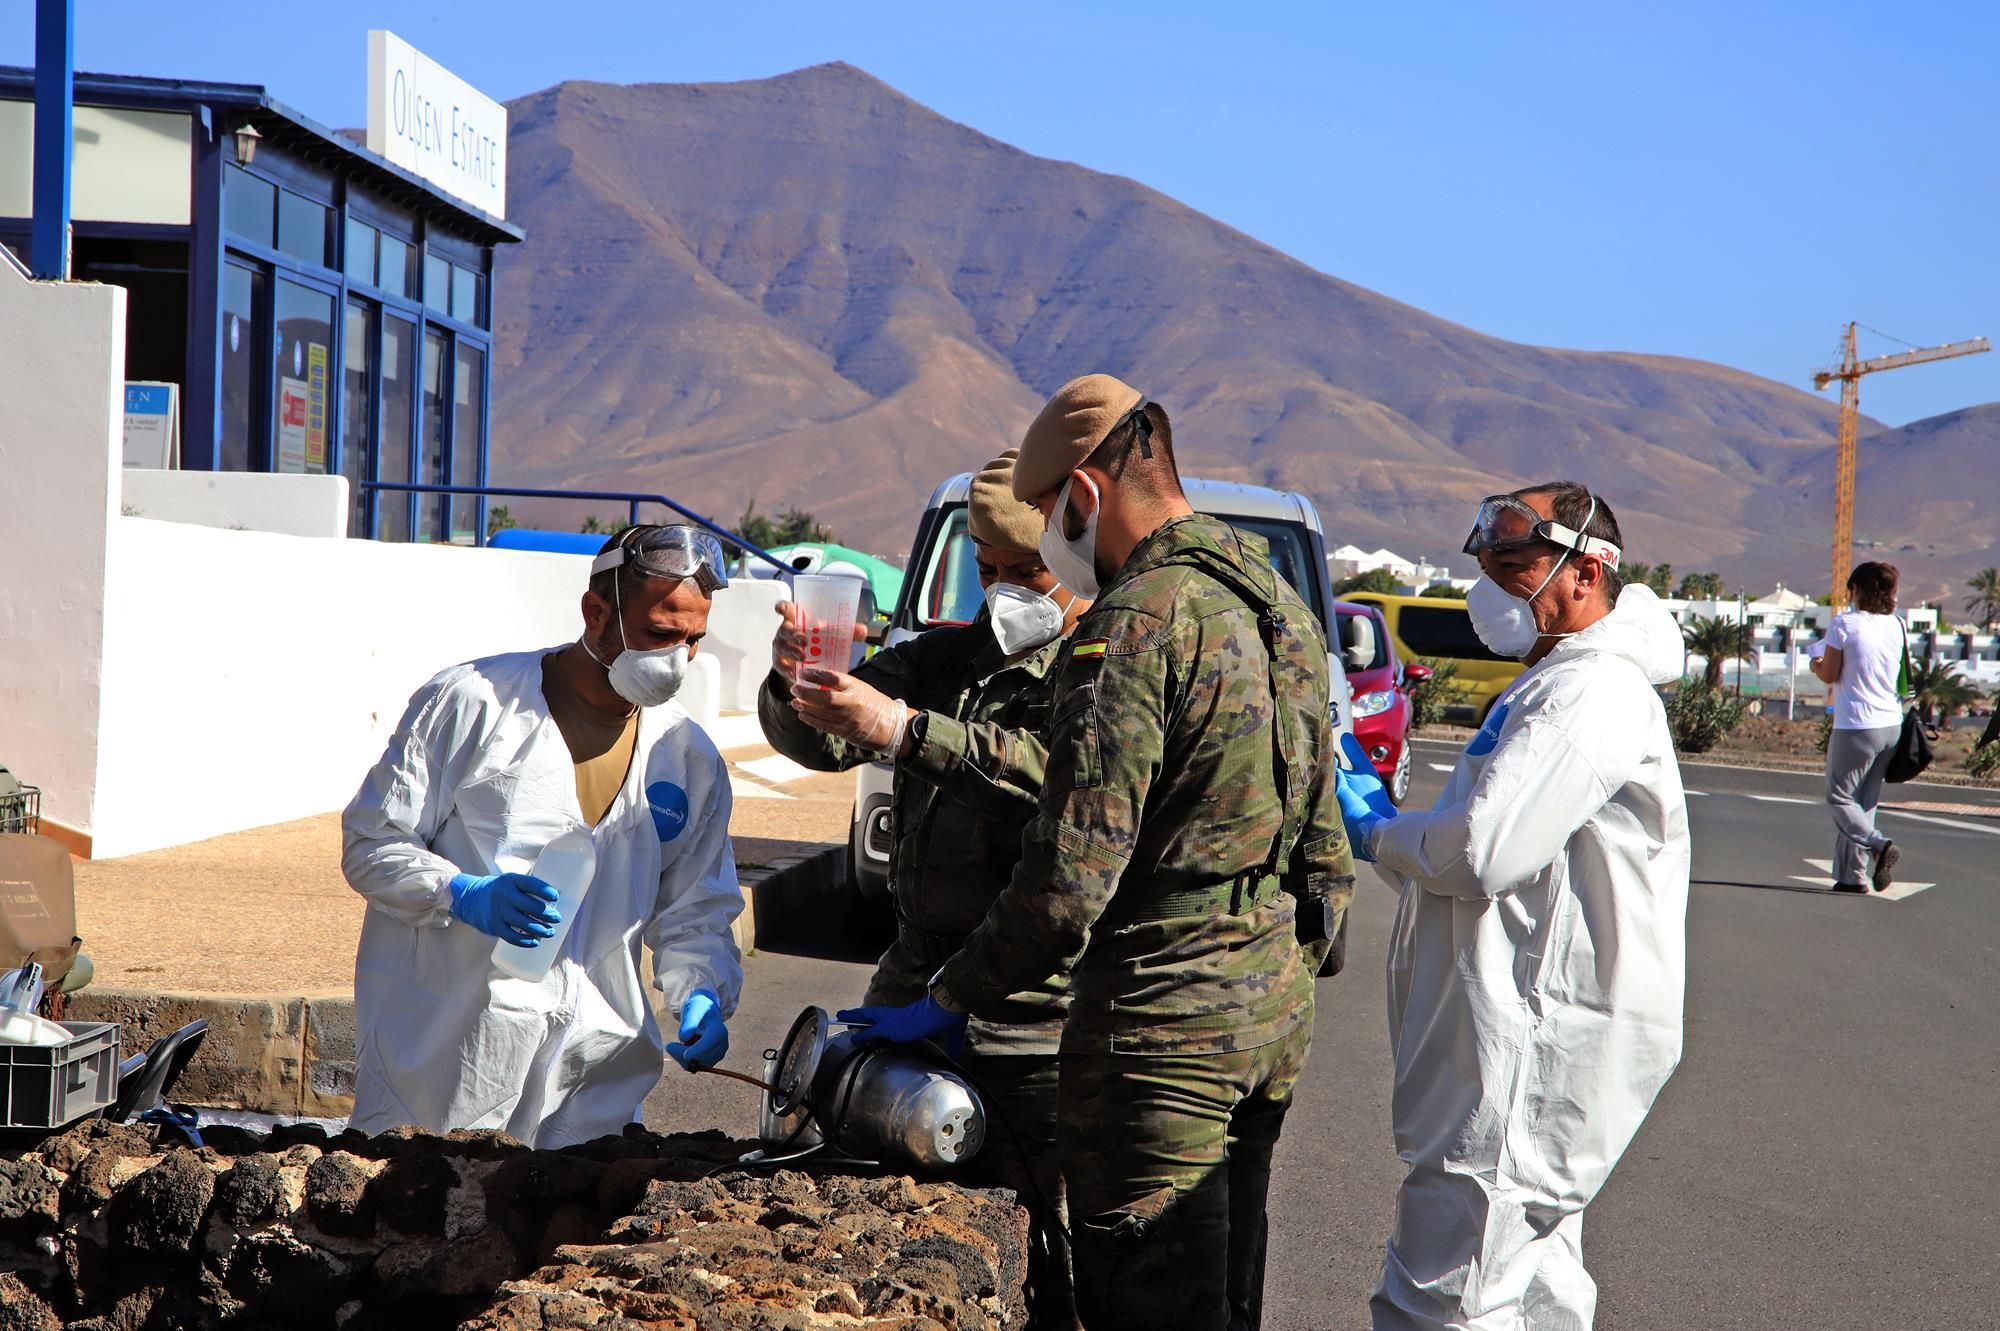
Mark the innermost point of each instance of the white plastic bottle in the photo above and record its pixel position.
(567, 864)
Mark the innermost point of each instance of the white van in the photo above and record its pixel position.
(941, 587)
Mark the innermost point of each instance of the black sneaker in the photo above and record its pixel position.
(1885, 860)
(1850, 887)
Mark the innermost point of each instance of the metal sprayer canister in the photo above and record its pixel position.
(886, 1102)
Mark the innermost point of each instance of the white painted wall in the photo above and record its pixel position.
(62, 403)
(251, 678)
(287, 504)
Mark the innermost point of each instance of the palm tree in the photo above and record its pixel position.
(1636, 571)
(1718, 641)
(1985, 598)
(1939, 690)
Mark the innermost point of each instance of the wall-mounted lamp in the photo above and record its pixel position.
(246, 143)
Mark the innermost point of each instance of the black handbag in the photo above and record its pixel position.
(1912, 753)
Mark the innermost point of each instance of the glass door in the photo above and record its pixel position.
(304, 348)
(434, 511)
(399, 409)
(357, 409)
(242, 386)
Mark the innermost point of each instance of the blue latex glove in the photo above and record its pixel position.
(704, 1038)
(909, 1024)
(1364, 801)
(1489, 734)
(515, 907)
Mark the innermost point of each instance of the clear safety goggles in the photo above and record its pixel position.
(676, 551)
(1505, 523)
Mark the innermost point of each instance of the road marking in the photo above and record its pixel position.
(1825, 879)
(1442, 767)
(1784, 799)
(1941, 822)
(776, 769)
(751, 790)
(1698, 794)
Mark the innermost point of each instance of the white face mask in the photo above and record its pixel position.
(1506, 622)
(644, 679)
(1073, 562)
(1023, 619)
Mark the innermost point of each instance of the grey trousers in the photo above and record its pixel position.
(1855, 761)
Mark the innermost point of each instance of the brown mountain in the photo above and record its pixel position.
(810, 290)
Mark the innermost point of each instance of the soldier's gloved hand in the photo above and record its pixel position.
(788, 645)
(912, 1023)
(849, 709)
(1364, 801)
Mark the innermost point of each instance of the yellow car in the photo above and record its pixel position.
(1434, 629)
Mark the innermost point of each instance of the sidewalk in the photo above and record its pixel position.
(257, 931)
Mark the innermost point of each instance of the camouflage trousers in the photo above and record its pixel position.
(1167, 1162)
(1020, 1094)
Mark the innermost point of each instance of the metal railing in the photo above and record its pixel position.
(631, 500)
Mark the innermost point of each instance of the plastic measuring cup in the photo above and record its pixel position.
(567, 864)
(828, 603)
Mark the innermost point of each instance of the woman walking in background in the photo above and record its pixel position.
(1863, 664)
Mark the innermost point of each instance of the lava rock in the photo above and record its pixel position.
(274, 1272)
(28, 1191)
(160, 1211)
(337, 1195)
(252, 1193)
(21, 1309)
(412, 1191)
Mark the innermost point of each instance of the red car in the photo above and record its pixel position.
(1381, 686)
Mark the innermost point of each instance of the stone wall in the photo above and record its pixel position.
(117, 1227)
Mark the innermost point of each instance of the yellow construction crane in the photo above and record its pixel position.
(1849, 374)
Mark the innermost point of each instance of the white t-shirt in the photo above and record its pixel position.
(1871, 658)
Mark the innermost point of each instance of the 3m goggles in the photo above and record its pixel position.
(1506, 523)
(675, 551)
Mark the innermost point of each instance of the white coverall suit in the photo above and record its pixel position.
(477, 779)
(1536, 972)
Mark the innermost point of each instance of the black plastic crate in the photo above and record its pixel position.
(51, 1086)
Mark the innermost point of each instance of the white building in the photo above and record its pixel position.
(1412, 575)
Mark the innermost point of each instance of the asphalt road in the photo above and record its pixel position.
(1827, 1156)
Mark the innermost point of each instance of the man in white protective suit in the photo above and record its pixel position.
(1538, 958)
(495, 759)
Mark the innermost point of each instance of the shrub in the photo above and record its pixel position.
(1825, 731)
(1429, 697)
(1700, 715)
(1984, 760)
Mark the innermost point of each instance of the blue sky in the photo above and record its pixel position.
(1724, 181)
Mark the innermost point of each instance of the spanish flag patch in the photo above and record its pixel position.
(1089, 648)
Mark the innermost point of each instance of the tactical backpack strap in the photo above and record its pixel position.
(1285, 757)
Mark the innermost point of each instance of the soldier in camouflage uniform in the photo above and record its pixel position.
(968, 775)
(1187, 867)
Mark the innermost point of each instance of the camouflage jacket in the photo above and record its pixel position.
(1145, 871)
(961, 801)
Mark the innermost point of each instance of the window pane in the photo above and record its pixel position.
(302, 227)
(360, 258)
(951, 590)
(242, 345)
(468, 402)
(247, 204)
(357, 431)
(305, 333)
(399, 379)
(437, 284)
(1443, 630)
(464, 294)
(431, 523)
(393, 272)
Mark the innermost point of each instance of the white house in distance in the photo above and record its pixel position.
(1412, 575)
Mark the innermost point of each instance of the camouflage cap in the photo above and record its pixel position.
(996, 517)
(1073, 423)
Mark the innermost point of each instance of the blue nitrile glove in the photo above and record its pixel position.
(704, 1037)
(909, 1024)
(1364, 801)
(516, 907)
(1489, 734)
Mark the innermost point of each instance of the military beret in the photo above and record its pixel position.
(1073, 423)
(996, 517)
